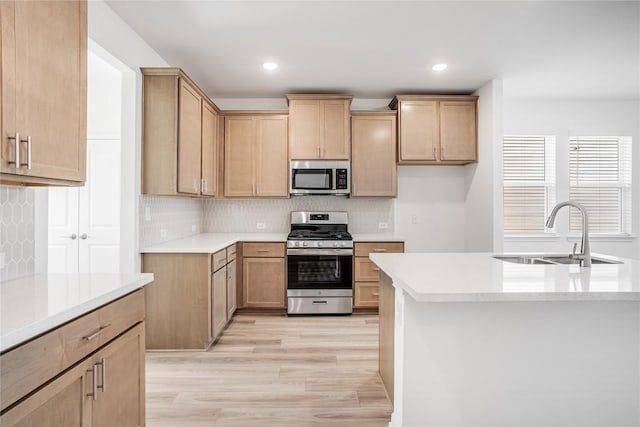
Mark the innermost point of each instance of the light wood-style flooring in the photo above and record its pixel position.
(274, 371)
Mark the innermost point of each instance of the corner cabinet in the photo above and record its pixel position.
(180, 153)
(44, 92)
(256, 155)
(88, 375)
(373, 154)
(319, 127)
(192, 300)
(436, 129)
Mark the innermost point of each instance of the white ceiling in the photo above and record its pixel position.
(376, 49)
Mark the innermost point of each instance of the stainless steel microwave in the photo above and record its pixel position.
(320, 177)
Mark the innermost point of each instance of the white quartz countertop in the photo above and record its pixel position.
(35, 304)
(451, 277)
(376, 237)
(213, 242)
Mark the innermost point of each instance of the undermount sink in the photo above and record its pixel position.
(550, 259)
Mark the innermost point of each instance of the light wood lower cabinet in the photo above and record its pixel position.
(263, 275)
(105, 388)
(192, 300)
(366, 286)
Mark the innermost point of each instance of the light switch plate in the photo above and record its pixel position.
(383, 225)
(163, 232)
(261, 225)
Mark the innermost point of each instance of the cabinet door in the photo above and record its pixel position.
(219, 301)
(44, 87)
(365, 294)
(189, 139)
(239, 142)
(120, 367)
(209, 150)
(63, 402)
(271, 157)
(458, 140)
(373, 163)
(231, 289)
(335, 130)
(418, 130)
(304, 129)
(263, 282)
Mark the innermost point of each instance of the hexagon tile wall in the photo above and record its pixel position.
(17, 228)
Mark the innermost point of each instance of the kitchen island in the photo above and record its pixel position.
(469, 340)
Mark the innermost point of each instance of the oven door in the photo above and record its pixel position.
(319, 269)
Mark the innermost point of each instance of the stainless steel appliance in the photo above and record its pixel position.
(328, 177)
(319, 264)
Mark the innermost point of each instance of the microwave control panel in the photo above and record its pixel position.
(341, 179)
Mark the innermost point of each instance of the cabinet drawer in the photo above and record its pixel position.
(254, 250)
(366, 270)
(366, 294)
(231, 253)
(218, 260)
(37, 361)
(365, 248)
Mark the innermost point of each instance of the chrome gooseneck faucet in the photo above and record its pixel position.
(585, 250)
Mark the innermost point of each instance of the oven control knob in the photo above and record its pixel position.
(297, 243)
(304, 243)
(335, 244)
(319, 243)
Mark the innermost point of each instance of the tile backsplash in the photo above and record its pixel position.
(17, 232)
(169, 218)
(221, 216)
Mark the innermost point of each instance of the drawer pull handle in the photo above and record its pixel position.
(97, 333)
(376, 294)
(379, 250)
(319, 302)
(375, 269)
(264, 250)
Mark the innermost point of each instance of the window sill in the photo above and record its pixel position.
(603, 237)
(531, 237)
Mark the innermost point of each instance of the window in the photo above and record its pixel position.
(600, 179)
(529, 182)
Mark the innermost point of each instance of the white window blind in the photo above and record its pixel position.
(529, 182)
(600, 179)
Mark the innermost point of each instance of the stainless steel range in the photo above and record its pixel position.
(320, 260)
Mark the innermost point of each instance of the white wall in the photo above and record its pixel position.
(109, 34)
(429, 210)
(564, 118)
(482, 216)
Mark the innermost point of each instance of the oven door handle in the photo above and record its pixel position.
(339, 252)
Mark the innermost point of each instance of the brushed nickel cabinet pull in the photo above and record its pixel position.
(16, 142)
(379, 250)
(434, 152)
(103, 376)
(94, 387)
(263, 250)
(376, 269)
(28, 141)
(97, 333)
(376, 294)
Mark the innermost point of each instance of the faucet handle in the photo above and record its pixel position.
(573, 252)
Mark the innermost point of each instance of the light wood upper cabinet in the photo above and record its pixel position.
(373, 154)
(44, 91)
(436, 130)
(209, 150)
(256, 155)
(189, 139)
(319, 127)
(179, 135)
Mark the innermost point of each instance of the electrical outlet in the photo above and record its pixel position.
(194, 227)
(163, 232)
(147, 213)
(414, 219)
(261, 225)
(383, 225)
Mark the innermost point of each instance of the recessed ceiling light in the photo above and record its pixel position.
(439, 67)
(270, 66)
